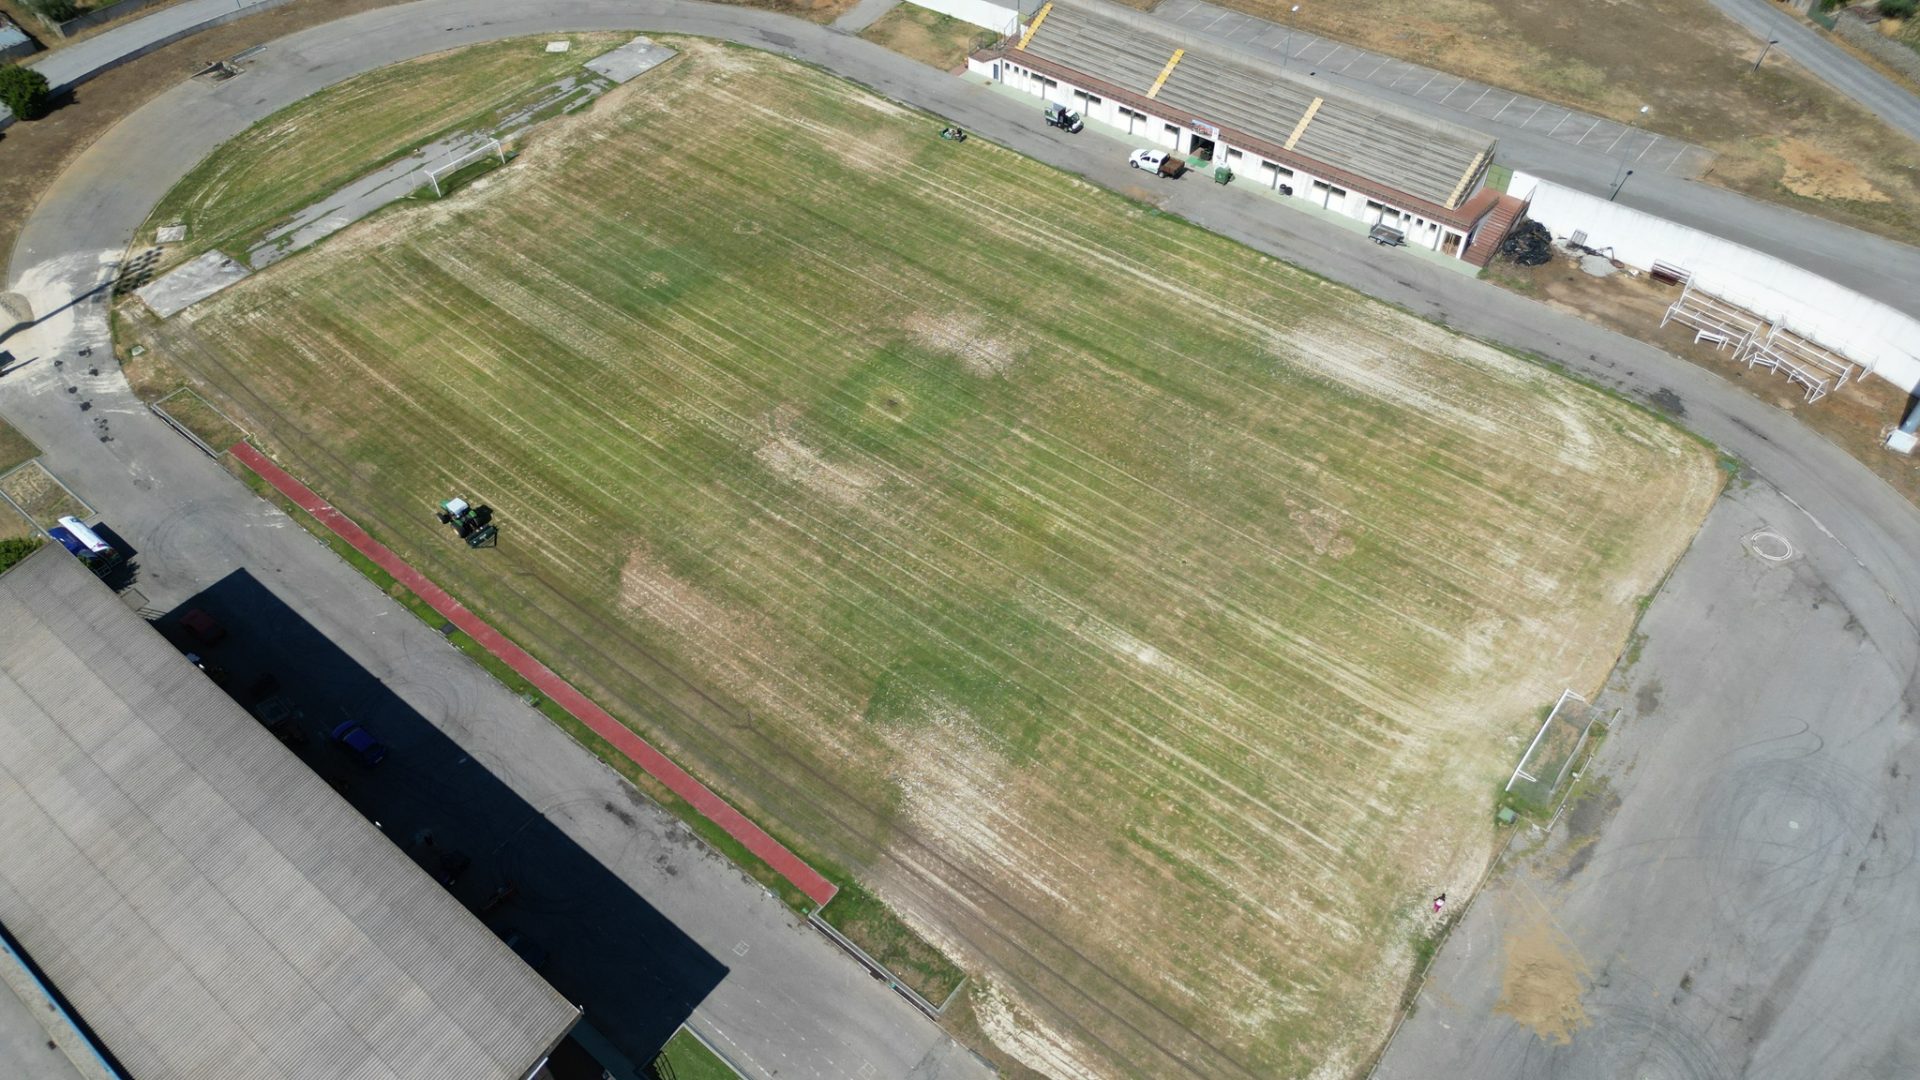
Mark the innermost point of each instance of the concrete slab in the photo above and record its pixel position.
(632, 60)
(193, 282)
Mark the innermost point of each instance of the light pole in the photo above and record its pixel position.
(1288, 54)
(1771, 42)
(1620, 175)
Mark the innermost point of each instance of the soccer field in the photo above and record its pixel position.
(1149, 622)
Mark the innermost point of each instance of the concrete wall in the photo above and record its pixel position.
(1248, 166)
(996, 17)
(1881, 47)
(1879, 338)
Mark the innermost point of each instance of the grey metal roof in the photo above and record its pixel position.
(210, 906)
(1403, 151)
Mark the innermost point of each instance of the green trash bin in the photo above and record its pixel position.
(1222, 174)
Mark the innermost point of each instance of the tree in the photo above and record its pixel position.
(12, 551)
(24, 92)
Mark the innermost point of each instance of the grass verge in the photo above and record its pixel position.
(687, 1058)
(15, 447)
(871, 924)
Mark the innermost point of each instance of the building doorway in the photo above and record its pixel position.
(1201, 147)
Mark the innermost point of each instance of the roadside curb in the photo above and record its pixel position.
(642, 753)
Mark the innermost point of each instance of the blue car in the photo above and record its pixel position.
(360, 741)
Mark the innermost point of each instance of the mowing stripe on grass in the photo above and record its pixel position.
(658, 765)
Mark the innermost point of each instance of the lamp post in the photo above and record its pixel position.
(1620, 175)
(1288, 54)
(1771, 42)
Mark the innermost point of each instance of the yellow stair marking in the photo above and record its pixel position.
(1166, 71)
(1306, 118)
(1464, 177)
(1034, 26)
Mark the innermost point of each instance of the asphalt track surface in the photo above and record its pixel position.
(1854, 536)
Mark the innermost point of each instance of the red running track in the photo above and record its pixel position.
(711, 806)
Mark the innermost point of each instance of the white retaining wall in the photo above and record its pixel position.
(1001, 20)
(1866, 331)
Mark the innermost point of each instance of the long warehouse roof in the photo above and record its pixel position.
(1425, 158)
(205, 902)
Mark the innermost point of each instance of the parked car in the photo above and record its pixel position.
(1386, 236)
(359, 742)
(1167, 165)
(1058, 115)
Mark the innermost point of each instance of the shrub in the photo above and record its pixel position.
(12, 551)
(1899, 9)
(24, 92)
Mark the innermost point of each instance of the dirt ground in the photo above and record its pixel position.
(1856, 417)
(1783, 135)
(927, 36)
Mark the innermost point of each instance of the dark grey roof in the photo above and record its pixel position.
(208, 905)
(1403, 151)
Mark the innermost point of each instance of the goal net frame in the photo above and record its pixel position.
(461, 160)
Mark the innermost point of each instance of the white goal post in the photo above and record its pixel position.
(456, 161)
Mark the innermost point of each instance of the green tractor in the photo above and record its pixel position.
(473, 523)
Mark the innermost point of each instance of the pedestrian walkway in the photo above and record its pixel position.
(1300, 51)
(658, 765)
(83, 59)
(864, 14)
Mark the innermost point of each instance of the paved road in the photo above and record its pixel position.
(193, 522)
(1827, 62)
(864, 14)
(1737, 902)
(1871, 265)
(1447, 95)
(82, 60)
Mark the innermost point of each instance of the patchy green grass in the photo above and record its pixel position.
(309, 150)
(864, 918)
(15, 448)
(709, 833)
(39, 495)
(1069, 574)
(687, 1058)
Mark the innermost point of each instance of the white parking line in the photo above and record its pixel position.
(1477, 100)
(1505, 107)
(1424, 85)
(1216, 19)
(1651, 143)
(1357, 57)
(1450, 93)
(1589, 131)
(1557, 123)
(1534, 113)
